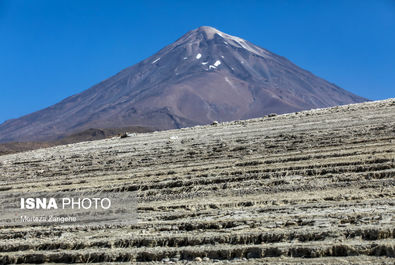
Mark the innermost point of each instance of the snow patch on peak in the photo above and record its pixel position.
(227, 40)
(228, 81)
(215, 65)
(198, 56)
(156, 60)
(239, 42)
(210, 32)
(204, 63)
(243, 44)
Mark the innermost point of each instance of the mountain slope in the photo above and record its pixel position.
(205, 75)
(90, 134)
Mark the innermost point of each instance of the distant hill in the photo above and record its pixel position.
(205, 75)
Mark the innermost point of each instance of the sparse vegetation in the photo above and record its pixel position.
(312, 188)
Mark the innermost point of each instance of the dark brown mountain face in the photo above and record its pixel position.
(205, 75)
(90, 134)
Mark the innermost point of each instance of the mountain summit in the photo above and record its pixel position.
(205, 75)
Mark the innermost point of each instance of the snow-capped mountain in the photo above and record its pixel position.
(205, 75)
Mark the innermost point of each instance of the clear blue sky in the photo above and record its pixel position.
(51, 49)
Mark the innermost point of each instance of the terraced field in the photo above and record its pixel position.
(315, 187)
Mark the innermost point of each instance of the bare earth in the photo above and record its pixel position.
(314, 187)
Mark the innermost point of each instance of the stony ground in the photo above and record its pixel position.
(315, 187)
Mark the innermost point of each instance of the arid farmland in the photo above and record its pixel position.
(314, 187)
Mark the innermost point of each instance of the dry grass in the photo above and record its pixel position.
(315, 187)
